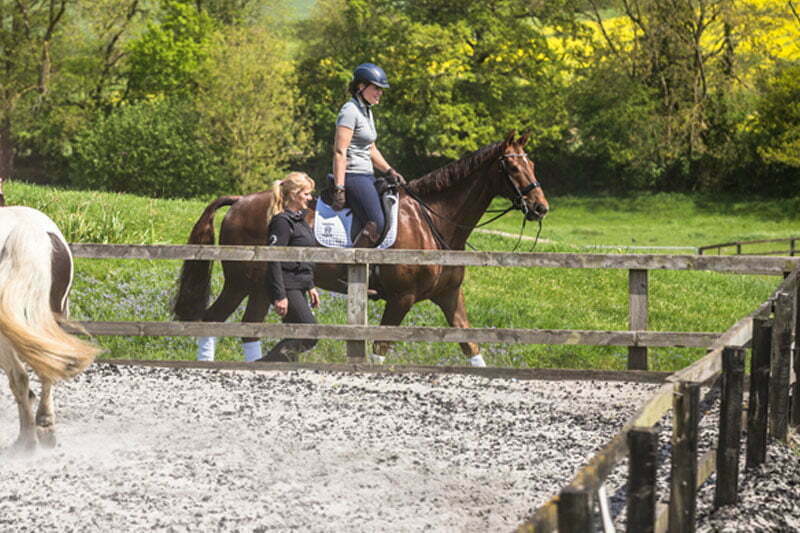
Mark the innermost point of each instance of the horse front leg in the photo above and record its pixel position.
(45, 416)
(452, 305)
(394, 313)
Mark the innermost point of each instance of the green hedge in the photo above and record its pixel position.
(150, 148)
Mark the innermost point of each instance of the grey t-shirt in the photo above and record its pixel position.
(356, 116)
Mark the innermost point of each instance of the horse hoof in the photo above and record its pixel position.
(24, 446)
(47, 436)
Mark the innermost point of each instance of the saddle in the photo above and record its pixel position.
(387, 188)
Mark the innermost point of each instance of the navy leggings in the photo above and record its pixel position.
(362, 196)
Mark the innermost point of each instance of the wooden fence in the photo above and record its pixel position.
(769, 332)
(737, 247)
(358, 333)
(772, 407)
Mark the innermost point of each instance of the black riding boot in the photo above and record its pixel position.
(368, 236)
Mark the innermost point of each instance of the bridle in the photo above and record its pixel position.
(519, 201)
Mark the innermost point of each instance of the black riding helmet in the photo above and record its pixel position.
(371, 73)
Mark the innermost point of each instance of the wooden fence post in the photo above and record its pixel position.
(779, 367)
(357, 285)
(758, 404)
(730, 427)
(575, 510)
(795, 410)
(637, 315)
(683, 481)
(642, 465)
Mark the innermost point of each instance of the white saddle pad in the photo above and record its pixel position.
(332, 228)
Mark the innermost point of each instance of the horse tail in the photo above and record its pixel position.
(27, 320)
(194, 284)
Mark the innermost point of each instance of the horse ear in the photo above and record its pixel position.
(510, 137)
(524, 139)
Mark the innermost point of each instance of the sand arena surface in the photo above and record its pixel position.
(178, 449)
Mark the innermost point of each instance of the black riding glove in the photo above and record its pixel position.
(396, 176)
(338, 199)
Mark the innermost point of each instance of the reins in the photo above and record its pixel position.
(516, 203)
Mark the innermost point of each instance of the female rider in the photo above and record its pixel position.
(356, 156)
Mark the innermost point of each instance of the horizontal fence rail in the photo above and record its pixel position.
(790, 250)
(726, 264)
(399, 333)
(357, 332)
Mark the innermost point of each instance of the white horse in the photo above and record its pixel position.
(35, 279)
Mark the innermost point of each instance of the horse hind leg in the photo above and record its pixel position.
(455, 311)
(255, 312)
(45, 416)
(226, 303)
(24, 396)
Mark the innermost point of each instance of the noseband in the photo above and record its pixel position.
(519, 201)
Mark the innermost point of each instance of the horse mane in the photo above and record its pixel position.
(443, 178)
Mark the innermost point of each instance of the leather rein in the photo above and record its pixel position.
(518, 202)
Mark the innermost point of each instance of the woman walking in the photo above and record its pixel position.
(290, 284)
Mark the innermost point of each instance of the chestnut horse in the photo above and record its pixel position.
(436, 211)
(35, 278)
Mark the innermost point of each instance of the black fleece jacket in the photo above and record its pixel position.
(289, 229)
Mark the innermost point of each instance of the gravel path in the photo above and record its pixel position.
(179, 450)
(769, 496)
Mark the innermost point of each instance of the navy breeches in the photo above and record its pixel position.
(362, 196)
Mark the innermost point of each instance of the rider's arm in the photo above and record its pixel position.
(340, 143)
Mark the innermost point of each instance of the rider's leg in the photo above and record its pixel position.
(364, 200)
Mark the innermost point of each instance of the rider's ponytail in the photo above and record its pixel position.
(282, 189)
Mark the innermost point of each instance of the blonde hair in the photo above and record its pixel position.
(288, 186)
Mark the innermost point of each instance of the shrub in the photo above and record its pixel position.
(149, 148)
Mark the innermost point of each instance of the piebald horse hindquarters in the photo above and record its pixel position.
(35, 279)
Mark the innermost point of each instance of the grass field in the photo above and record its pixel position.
(496, 297)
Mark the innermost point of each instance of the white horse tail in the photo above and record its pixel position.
(26, 318)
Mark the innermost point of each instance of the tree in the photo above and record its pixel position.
(27, 31)
(776, 130)
(248, 103)
(462, 74)
(172, 54)
(699, 59)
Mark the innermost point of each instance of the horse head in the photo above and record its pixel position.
(519, 176)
